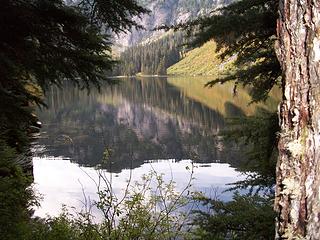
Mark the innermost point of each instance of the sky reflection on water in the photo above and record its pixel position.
(66, 182)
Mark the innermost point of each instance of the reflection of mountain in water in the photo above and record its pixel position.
(138, 120)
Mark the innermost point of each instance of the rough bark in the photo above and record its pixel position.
(298, 169)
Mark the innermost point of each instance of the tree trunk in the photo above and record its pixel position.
(298, 170)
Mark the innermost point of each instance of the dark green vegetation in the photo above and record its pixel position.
(16, 196)
(45, 43)
(245, 217)
(257, 136)
(250, 215)
(152, 57)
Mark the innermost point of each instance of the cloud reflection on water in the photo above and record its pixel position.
(62, 182)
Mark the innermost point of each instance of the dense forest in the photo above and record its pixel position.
(151, 57)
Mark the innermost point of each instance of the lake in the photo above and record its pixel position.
(166, 124)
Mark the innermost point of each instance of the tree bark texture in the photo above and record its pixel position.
(298, 170)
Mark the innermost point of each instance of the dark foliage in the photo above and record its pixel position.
(43, 43)
(112, 15)
(250, 215)
(151, 58)
(16, 197)
(245, 217)
(46, 42)
(257, 136)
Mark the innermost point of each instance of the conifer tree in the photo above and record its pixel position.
(46, 42)
(43, 43)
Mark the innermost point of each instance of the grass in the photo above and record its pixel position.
(199, 61)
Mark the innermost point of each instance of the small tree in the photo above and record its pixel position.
(149, 209)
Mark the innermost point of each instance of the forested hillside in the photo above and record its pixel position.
(152, 52)
(153, 57)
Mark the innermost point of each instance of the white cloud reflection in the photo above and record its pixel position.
(62, 182)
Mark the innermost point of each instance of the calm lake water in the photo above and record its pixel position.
(141, 124)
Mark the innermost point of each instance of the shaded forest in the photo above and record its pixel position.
(152, 57)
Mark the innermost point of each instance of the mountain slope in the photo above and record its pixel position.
(152, 52)
(199, 61)
(168, 12)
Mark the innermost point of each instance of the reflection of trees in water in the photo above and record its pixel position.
(225, 220)
(232, 110)
(158, 93)
(138, 120)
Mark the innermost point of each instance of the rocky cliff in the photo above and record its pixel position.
(166, 12)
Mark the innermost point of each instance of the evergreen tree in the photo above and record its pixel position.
(227, 220)
(245, 217)
(151, 58)
(43, 43)
(46, 42)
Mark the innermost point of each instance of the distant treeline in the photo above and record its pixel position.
(153, 57)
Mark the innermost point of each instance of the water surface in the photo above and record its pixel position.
(141, 123)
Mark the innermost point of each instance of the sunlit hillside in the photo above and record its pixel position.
(199, 61)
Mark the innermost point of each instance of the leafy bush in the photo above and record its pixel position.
(150, 209)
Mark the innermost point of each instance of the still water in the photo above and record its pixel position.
(141, 124)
